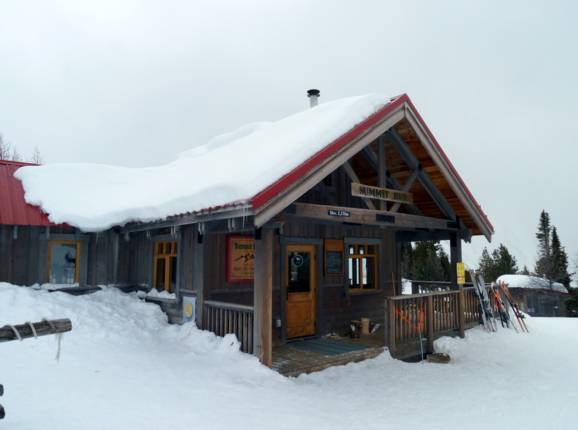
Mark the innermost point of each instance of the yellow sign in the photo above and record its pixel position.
(461, 271)
(240, 258)
(367, 191)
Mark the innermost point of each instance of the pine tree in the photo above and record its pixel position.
(504, 262)
(559, 263)
(500, 262)
(426, 262)
(407, 260)
(544, 261)
(524, 271)
(444, 263)
(486, 265)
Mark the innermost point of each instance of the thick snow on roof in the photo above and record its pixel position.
(229, 169)
(533, 282)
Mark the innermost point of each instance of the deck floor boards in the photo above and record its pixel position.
(313, 355)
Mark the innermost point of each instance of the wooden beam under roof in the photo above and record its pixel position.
(354, 178)
(367, 216)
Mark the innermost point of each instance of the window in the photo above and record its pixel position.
(165, 266)
(63, 261)
(299, 264)
(362, 267)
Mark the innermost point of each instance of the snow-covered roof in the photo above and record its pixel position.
(229, 169)
(252, 169)
(531, 282)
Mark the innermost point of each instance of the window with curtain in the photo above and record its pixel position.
(362, 266)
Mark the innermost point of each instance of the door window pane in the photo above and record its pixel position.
(160, 274)
(299, 265)
(63, 262)
(173, 275)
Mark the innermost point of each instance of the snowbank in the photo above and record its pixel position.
(123, 367)
(532, 282)
(229, 169)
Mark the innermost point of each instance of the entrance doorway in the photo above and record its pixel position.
(301, 286)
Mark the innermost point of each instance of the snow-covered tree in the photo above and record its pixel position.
(5, 149)
(36, 157)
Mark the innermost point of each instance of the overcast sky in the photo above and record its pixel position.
(136, 82)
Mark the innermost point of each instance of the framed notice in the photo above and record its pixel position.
(333, 257)
(240, 258)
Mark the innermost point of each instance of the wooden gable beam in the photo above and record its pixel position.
(371, 157)
(393, 137)
(354, 178)
(406, 187)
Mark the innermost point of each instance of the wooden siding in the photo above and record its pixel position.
(336, 305)
(24, 253)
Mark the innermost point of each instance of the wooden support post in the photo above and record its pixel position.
(263, 296)
(455, 256)
(430, 324)
(381, 173)
(199, 276)
(391, 325)
(462, 312)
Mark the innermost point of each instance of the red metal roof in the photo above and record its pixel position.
(13, 208)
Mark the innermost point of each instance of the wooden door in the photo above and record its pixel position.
(301, 286)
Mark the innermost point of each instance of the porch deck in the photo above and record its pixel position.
(313, 355)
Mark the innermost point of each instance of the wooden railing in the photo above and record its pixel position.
(424, 317)
(424, 287)
(471, 308)
(223, 318)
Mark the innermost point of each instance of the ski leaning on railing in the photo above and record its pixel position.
(501, 307)
(485, 304)
(503, 288)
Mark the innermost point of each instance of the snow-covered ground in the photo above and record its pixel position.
(123, 367)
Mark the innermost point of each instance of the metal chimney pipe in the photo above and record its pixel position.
(313, 95)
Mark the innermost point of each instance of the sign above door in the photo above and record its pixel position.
(388, 194)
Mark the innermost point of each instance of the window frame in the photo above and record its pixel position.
(376, 255)
(78, 257)
(166, 256)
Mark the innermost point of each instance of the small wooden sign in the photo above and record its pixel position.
(339, 213)
(240, 258)
(461, 272)
(390, 195)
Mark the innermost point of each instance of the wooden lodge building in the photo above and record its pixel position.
(315, 249)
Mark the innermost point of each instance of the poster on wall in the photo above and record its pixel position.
(240, 258)
(333, 257)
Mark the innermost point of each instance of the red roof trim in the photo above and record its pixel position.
(261, 198)
(307, 166)
(451, 166)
